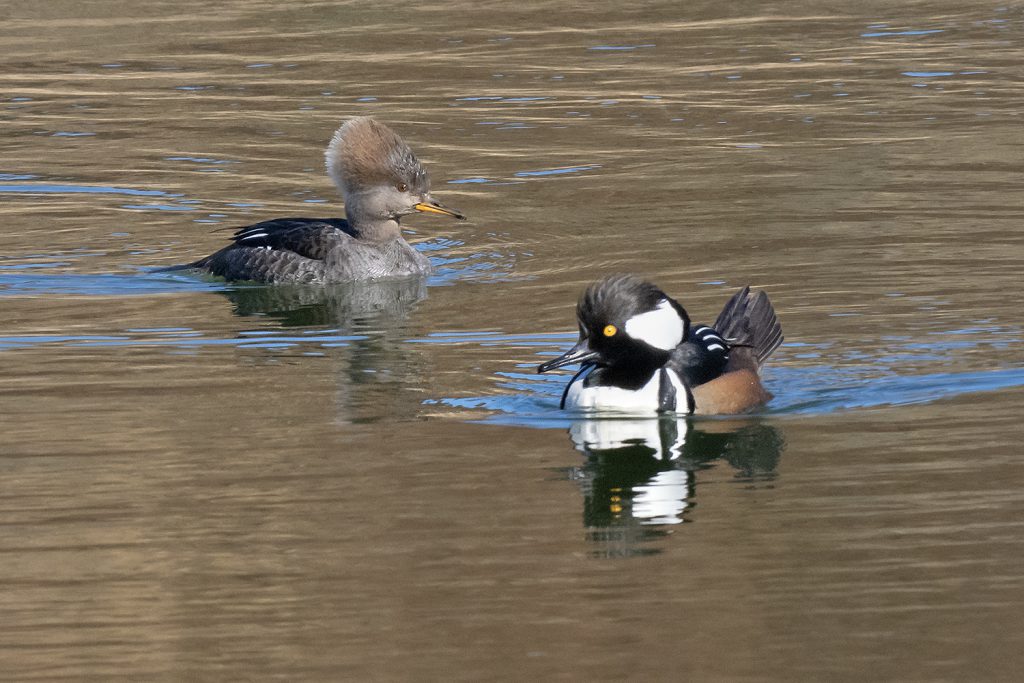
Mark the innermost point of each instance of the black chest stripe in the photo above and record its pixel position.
(565, 392)
(666, 393)
(667, 400)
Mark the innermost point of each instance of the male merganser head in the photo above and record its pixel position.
(640, 355)
(625, 322)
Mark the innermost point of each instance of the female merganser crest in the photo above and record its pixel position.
(640, 355)
(380, 180)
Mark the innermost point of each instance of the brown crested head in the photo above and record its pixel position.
(364, 152)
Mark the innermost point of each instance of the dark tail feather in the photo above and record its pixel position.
(174, 269)
(195, 265)
(748, 320)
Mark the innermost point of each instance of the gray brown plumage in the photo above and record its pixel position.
(364, 152)
(380, 180)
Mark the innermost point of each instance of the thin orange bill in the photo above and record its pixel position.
(437, 208)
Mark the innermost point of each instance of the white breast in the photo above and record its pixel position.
(643, 401)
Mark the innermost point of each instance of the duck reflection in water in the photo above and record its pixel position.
(362, 330)
(351, 306)
(640, 475)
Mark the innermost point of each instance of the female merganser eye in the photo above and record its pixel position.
(610, 330)
(402, 187)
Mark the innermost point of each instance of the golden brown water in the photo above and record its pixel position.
(217, 483)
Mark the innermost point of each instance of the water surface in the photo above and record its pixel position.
(213, 481)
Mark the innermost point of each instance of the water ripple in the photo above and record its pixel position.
(909, 32)
(556, 171)
(857, 381)
(48, 188)
(182, 338)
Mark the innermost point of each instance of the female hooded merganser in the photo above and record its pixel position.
(640, 355)
(380, 180)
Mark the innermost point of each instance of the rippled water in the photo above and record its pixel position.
(213, 481)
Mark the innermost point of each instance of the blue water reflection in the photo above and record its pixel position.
(899, 372)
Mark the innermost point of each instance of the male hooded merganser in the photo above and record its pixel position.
(640, 355)
(380, 180)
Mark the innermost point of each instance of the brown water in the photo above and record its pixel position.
(210, 482)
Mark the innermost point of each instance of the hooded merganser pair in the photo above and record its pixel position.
(639, 355)
(638, 351)
(380, 180)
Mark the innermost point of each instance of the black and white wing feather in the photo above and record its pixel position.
(308, 237)
(701, 357)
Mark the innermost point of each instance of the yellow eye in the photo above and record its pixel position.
(610, 330)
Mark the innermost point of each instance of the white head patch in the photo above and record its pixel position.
(662, 328)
